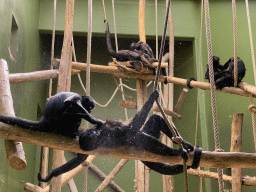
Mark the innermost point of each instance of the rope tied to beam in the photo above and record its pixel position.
(176, 136)
(235, 42)
(212, 86)
(254, 70)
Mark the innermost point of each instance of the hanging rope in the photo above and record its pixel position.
(53, 42)
(45, 151)
(253, 62)
(235, 42)
(198, 90)
(212, 86)
(177, 138)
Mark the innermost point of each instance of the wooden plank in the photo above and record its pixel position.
(64, 82)
(208, 158)
(14, 150)
(236, 146)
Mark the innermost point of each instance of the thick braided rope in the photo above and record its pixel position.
(253, 120)
(235, 42)
(46, 149)
(53, 42)
(116, 43)
(253, 62)
(212, 86)
(251, 39)
(89, 46)
(199, 79)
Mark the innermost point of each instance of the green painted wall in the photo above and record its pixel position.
(26, 96)
(34, 17)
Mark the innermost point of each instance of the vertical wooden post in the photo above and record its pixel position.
(142, 174)
(64, 82)
(236, 146)
(14, 150)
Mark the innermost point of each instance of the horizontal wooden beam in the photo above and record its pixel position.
(244, 90)
(208, 159)
(197, 84)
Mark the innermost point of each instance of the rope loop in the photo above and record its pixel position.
(252, 108)
(219, 150)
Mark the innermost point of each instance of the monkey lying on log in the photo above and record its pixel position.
(116, 134)
(140, 53)
(63, 115)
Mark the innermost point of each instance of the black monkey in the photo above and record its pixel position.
(62, 115)
(116, 134)
(227, 76)
(218, 69)
(139, 53)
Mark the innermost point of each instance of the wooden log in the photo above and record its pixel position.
(141, 173)
(14, 150)
(66, 177)
(208, 158)
(128, 104)
(247, 87)
(246, 180)
(123, 74)
(44, 165)
(180, 100)
(35, 76)
(103, 176)
(29, 187)
(128, 64)
(236, 146)
(111, 175)
(64, 82)
(167, 112)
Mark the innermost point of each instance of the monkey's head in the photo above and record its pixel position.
(216, 58)
(88, 103)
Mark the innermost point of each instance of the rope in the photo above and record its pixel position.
(53, 42)
(253, 62)
(212, 86)
(116, 43)
(45, 151)
(235, 43)
(198, 90)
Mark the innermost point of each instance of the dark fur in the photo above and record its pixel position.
(115, 133)
(227, 78)
(224, 75)
(62, 115)
(217, 69)
(140, 53)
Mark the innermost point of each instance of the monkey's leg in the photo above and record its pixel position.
(73, 163)
(142, 115)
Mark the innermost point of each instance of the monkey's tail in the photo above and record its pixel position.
(73, 163)
(108, 41)
(33, 125)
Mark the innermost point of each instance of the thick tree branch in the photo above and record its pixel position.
(208, 159)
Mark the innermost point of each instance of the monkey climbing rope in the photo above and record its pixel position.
(212, 86)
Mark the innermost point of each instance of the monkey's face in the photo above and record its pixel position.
(88, 103)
